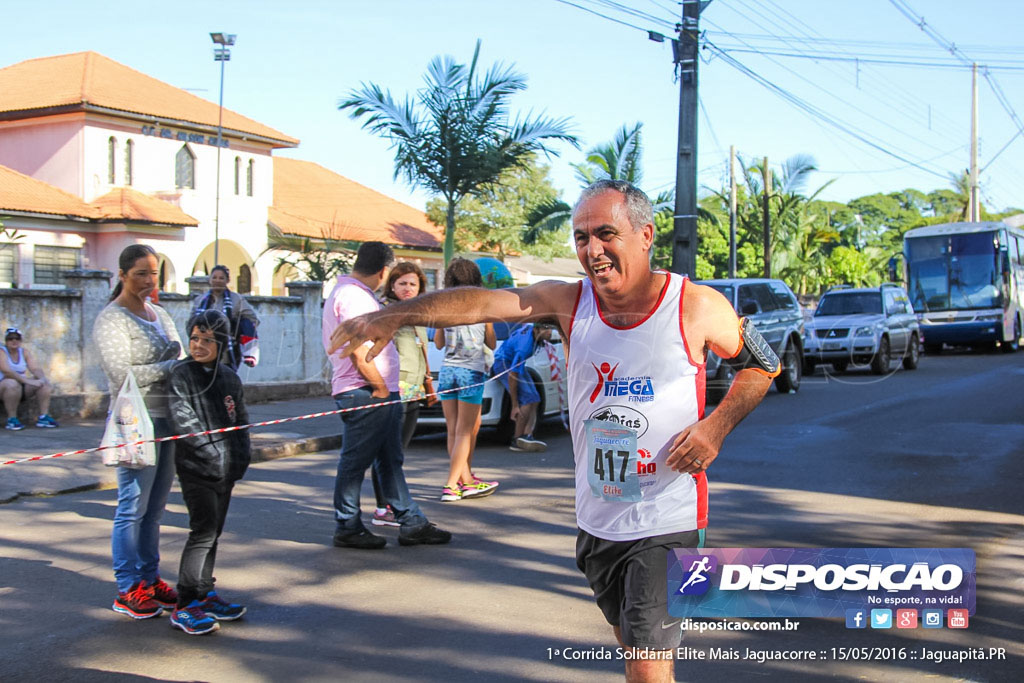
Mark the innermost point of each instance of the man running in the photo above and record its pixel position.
(636, 343)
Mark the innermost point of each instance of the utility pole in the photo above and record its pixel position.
(974, 208)
(684, 241)
(732, 210)
(766, 219)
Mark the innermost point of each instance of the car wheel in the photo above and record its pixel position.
(792, 365)
(880, 363)
(913, 354)
(840, 366)
(718, 387)
(1012, 345)
(932, 349)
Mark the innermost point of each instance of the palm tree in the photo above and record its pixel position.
(615, 160)
(456, 136)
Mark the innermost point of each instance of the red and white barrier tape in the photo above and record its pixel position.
(248, 426)
(556, 377)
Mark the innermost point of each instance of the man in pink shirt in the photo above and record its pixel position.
(372, 433)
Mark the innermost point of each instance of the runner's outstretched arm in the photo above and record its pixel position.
(548, 300)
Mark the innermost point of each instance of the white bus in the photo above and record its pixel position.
(965, 281)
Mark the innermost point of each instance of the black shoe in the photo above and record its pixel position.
(359, 539)
(424, 534)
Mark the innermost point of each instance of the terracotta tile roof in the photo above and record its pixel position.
(311, 201)
(89, 78)
(19, 192)
(124, 204)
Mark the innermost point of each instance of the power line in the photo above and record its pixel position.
(635, 12)
(817, 113)
(909, 13)
(907, 47)
(819, 56)
(848, 104)
(893, 93)
(603, 16)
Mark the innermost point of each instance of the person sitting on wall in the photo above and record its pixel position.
(244, 345)
(16, 364)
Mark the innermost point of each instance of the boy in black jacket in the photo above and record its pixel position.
(206, 395)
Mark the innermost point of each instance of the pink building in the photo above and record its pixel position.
(95, 156)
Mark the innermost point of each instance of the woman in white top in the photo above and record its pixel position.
(133, 334)
(461, 379)
(21, 377)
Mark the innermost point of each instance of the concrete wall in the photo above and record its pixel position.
(57, 326)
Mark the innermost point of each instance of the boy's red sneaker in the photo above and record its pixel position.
(137, 603)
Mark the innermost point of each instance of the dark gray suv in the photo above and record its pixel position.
(774, 310)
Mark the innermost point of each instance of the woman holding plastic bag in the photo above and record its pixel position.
(137, 338)
(244, 344)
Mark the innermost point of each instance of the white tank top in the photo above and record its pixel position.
(19, 368)
(641, 377)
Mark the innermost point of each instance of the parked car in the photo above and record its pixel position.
(774, 310)
(866, 326)
(496, 402)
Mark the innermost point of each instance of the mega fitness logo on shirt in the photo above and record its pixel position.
(635, 389)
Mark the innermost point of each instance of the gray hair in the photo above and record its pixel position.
(638, 205)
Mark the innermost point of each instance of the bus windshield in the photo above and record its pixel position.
(953, 272)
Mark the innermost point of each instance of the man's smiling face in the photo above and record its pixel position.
(611, 251)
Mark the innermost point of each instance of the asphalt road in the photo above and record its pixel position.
(930, 458)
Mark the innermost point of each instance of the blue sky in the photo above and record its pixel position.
(294, 60)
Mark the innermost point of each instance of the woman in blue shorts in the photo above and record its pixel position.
(461, 387)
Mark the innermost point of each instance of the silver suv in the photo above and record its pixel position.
(774, 310)
(862, 327)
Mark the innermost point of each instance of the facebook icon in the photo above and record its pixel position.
(856, 618)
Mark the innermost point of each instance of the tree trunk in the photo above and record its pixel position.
(449, 234)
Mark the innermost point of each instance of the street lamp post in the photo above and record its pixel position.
(221, 54)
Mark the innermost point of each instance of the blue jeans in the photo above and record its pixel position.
(141, 498)
(371, 437)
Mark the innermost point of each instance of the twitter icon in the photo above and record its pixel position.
(881, 618)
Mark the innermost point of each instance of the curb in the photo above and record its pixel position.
(287, 449)
(264, 453)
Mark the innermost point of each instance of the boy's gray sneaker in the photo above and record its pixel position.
(425, 534)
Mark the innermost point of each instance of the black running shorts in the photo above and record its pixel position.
(630, 584)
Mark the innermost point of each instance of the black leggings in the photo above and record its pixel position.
(207, 504)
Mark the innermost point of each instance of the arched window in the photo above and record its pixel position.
(238, 175)
(244, 283)
(185, 168)
(129, 148)
(111, 152)
(248, 178)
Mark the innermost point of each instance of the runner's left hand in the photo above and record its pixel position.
(695, 448)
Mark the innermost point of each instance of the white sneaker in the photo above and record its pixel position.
(530, 444)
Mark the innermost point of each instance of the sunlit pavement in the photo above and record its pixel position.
(505, 595)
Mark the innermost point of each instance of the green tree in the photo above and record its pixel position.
(846, 265)
(456, 136)
(496, 220)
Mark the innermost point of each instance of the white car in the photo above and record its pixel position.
(496, 403)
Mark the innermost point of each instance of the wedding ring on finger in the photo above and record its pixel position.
(698, 463)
